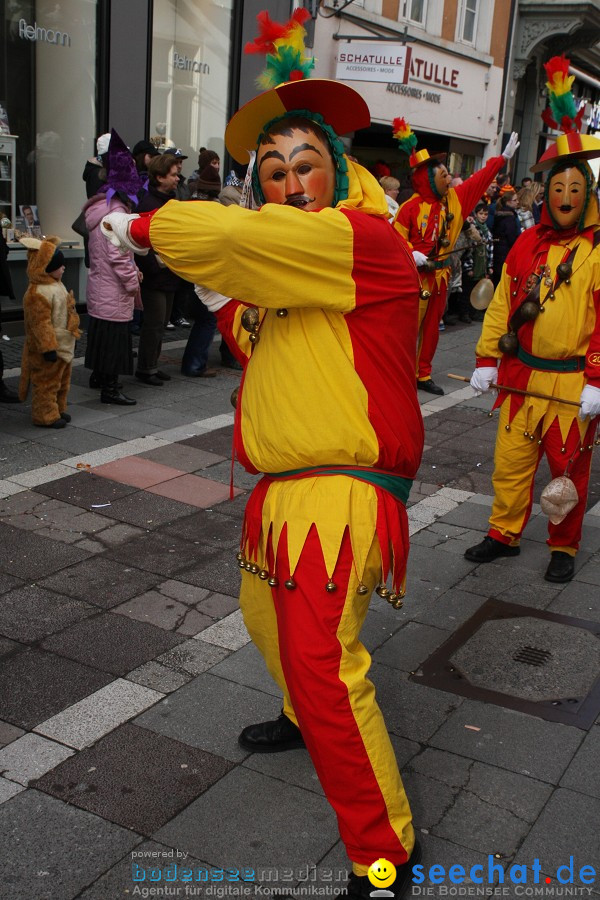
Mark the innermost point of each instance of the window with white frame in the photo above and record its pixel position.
(414, 10)
(468, 21)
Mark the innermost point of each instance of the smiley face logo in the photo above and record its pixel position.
(382, 873)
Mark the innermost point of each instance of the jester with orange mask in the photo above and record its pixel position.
(320, 280)
(431, 220)
(541, 333)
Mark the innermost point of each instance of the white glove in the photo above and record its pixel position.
(483, 378)
(511, 148)
(419, 258)
(115, 228)
(590, 402)
(211, 299)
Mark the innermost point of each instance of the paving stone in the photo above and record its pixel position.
(215, 570)
(31, 455)
(509, 739)
(522, 796)
(219, 441)
(377, 629)
(85, 722)
(30, 556)
(222, 472)
(105, 778)
(448, 610)
(229, 632)
(111, 643)
(9, 488)
(8, 647)
(233, 508)
(192, 657)
(9, 789)
(118, 881)
(590, 573)
(185, 593)
(86, 489)
(147, 510)
(56, 849)
(158, 677)
(42, 475)
(104, 582)
(30, 757)
(209, 527)
(262, 807)
(447, 768)
(31, 613)
(551, 840)
(537, 596)
(429, 798)
(209, 713)
(469, 515)
(117, 534)
(158, 552)
(490, 579)
(164, 612)
(410, 646)
(183, 457)
(583, 774)
(293, 767)
(77, 441)
(36, 685)
(247, 667)
(138, 471)
(8, 733)
(411, 710)
(193, 489)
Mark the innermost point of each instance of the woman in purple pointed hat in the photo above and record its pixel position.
(113, 287)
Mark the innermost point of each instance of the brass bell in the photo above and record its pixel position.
(529, 310)
(331, 586)
(248, 565)
(282, 313)
(242, 563)
(290, 584)
(273, 582)
(532, 437)
(392, 597)
(234, 397)
(551, 295)
(429, 265)
(263, 574)
(509, 344)
(382, 591)
(564, 270)
(445, 242)
(253, 337)
(525, 434)
(250, 318)
(254, 569)
(362, 589)
(398, 604)
(239, 556)
(449, 217)
(424, 294)
(507, 427)
(563, 449)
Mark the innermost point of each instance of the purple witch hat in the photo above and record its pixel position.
(122, 176)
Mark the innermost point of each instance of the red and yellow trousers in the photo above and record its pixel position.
(517, 457)
(430, 314)
(309, 638)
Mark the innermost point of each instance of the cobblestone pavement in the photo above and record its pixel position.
(127, 672)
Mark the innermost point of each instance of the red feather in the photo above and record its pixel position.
(547, 118)
(270, 31)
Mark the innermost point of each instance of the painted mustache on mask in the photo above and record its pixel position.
(299, 200)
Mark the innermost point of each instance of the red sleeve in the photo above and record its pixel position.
(592, 357)
(228, 322)
(139, 229)
(470, 192)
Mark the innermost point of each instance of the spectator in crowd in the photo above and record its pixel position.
(526, 182)
(459, 307)
(506, 228)
(94, 171)
(391, 188)
(205, 158)
(479, 262)
(537, 190)
(180, 300)
(525, 208)
(113, 285)
(6, 290)
(143, 152)
(182, 191)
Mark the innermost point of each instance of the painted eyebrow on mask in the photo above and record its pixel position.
(274, 154)
(304, 147)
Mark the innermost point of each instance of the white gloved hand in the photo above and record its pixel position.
(419, 258)
(211, 299)
(511, 148)
(483, 378)
(115, 228)
(590, 402)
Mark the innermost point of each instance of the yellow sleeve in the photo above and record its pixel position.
(495, 323)
(268, 257)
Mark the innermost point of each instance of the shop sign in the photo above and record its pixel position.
(189, 65)
(416, 93)
(37, 32)
(373, 62)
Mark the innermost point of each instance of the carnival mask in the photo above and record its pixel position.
(566, 197)
(296, 169)
(442, 179)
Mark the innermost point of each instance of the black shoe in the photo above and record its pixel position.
(450, 320)
(431, 387)
(561, 567)
(60, 423)
(231, 364)
(113, 395)
(489, 550)
(182, 323)
(271, 737)
(66, 417)
(6, 395)
(360, 888)
(154, 380)
(465, 319)
(163, 376)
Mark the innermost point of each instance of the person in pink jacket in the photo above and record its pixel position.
(113, 287)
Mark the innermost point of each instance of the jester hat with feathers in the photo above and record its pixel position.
(422, 164)
(288, 91)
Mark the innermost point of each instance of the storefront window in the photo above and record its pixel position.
(48, 90)
(190, 69)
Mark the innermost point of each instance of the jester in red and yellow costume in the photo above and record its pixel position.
(320, 282)
(541, 334)
(431, 221)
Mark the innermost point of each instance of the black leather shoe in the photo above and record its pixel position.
(431, 387)
(154, 380)
(66, 417)
(271, 737)
(360, 888)
(112, 395)
(489, 550)
(163, 376)
(59, 423)
(6, 395)
(561, 567)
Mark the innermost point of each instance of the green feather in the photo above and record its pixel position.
(280, 66)
(562, 105)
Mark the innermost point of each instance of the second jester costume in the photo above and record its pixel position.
(321, 282)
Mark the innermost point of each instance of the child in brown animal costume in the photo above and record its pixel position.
(51, 328)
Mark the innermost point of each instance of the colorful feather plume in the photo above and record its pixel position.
(283, 45)
(562, 112)
(407, 139)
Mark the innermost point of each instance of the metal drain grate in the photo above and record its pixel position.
(532, 656)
